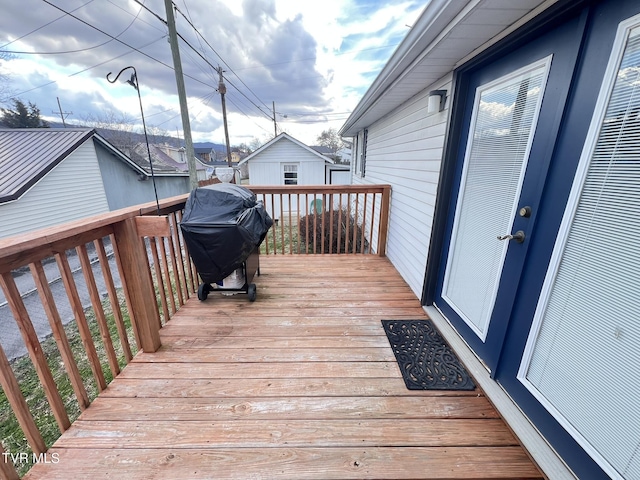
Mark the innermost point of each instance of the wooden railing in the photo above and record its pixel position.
(144, 270)
(326, 219)
(75, 340)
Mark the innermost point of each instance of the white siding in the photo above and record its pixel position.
(266, 167)
(72, 190)
(404, 149)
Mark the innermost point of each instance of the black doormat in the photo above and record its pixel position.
(424, 358)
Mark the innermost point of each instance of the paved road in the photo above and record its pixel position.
(10, 337)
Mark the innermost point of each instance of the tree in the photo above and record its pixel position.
(331, 139)
(256, 143)
(23, 116)
(6, 93)
(116, 127)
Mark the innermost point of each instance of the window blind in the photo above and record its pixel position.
(585, 362)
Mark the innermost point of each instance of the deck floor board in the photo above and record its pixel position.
(300, 384)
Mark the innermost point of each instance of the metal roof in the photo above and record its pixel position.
(27, 155)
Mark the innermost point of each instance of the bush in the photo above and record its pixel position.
(334, 239)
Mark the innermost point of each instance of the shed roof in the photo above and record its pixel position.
(286, 136)
(447, 33)
(27, 155)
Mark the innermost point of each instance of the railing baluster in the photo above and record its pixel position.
(355, 224)
(314, 211)
(290, 233)
(266, 239)
(306, 216)
(174, 265)
(19, 405)
(158, 270)
(59, 334)
(113, 298)
(273, 230)
(298, 218)
(167, 274)
(98, 311)
(339, 224)
(34, 348)
(81, 320)
(322, 226)
(330, 223)
(282, 221)
(180, 258)
(373, 217)
(193, 283)
(364, 222)
(346, 228)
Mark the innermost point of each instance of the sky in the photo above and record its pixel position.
(313, 58)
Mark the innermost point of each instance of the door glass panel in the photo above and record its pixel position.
(581, 360)
(502, 127)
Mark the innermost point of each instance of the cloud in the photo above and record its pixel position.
(307, 57)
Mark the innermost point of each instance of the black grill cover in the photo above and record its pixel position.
(222, 224)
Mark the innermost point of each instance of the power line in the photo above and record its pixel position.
(118, 56)
(188, 44)
(45, 25)
(89, 68)
(222, 59)
(82, 49)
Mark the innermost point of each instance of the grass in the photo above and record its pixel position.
(11, 433)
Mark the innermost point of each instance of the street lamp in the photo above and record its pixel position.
(133, 81)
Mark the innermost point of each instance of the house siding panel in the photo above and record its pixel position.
(405, 149)
(266, 167)
(123, 189)
(72, 190)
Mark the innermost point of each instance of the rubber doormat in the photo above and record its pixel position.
(424, 358)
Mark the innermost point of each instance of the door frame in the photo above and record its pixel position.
(459, 88)
(570, 26)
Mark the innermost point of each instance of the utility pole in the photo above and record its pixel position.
(177, 65)
(222, 89)
(275, 126)
(63, 115)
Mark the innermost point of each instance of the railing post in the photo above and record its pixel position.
(144, 313)
(384, 220)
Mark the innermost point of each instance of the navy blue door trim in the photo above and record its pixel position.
(547, 20)
(563, 42)
(601, 32)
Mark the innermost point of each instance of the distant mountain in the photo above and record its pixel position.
(110, 134)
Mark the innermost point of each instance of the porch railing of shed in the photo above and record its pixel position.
(121, 276)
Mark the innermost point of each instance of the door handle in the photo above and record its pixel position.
(518, 236)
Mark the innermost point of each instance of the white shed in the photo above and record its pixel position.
(287, 161)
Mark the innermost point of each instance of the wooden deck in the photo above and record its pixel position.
(300, 384)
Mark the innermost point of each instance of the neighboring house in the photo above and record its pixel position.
(166, 160)
(510, 134)
(206, 154)
(51, 176)
(342, 155)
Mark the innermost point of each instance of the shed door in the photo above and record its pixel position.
(512, 115)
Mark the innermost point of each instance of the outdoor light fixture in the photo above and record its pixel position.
(133, 81)
(437, 100)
